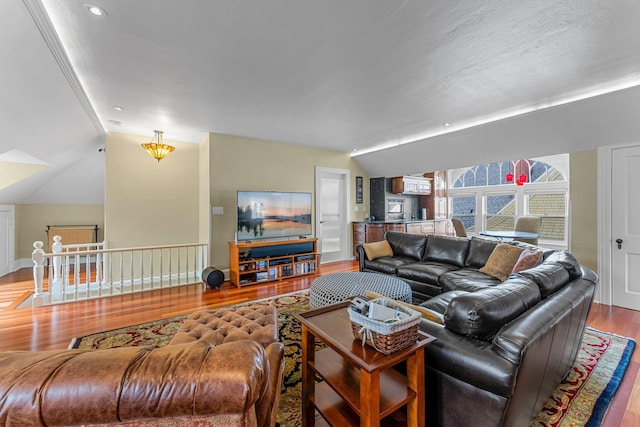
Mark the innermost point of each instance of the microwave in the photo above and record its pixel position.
(395, 208)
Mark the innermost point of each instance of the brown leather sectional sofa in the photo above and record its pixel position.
(196, 383)
(503, 346)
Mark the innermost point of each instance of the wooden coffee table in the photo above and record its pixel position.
(359, 386)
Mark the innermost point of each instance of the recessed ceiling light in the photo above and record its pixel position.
(117, 108)
(115, 122)
(355, 149)
(95, 10)
(446, 124)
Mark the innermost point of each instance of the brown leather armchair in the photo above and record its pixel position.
(197, 383)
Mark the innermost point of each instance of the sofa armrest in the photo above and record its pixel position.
(361, 256)
(574, 300)
(267, 405)
(545, 344)
(468, 360)
(72, 387)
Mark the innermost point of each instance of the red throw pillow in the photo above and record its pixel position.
(528, 259)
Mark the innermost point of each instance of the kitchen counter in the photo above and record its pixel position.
(399, 221)
(374, 231)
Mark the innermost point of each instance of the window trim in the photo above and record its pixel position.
(521, 200)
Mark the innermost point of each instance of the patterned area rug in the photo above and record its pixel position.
(582, 400)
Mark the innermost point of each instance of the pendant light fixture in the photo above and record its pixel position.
(157, 148)
(522, 168)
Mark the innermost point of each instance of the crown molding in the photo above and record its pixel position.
(44, 25)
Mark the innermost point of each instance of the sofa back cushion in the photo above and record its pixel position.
(482, 313)
(407, 245)
(568, 261)
(447, 250)
(479, 252)
(550, 277)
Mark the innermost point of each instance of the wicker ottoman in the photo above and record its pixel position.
(333, 288)
(251, 322)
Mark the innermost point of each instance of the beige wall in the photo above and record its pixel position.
(584, 208)
(239, 163)
(32, 220)
(141, 192)
(148, 202)
(204, 192)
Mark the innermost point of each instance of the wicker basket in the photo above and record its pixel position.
(386, 338)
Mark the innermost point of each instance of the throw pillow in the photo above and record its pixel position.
(377, 249)
(426, 313)
(528, 259)
(501, 261)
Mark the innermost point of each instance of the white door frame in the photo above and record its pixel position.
(11, 238)
(604, 291)
(345, 243)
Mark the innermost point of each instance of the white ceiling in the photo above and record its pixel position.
(333, 74)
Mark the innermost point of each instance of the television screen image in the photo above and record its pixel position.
(269, 214)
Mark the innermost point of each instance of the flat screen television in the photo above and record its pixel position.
(271, 214)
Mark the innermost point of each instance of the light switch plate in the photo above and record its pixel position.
(217, 210)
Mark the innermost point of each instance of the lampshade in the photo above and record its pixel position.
(157, 148)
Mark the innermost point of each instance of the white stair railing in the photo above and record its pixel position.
(109, 272)
(57, 247)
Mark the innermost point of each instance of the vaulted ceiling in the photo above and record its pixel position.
(511, 79)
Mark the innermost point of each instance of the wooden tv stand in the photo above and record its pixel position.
(260, 262)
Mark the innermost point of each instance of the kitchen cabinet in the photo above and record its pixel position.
(411, 185)
(436, 203)
(375, 232)
(427, 227)
(359, 235)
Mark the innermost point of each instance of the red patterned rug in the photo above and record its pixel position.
(581, 400)
(584, 396)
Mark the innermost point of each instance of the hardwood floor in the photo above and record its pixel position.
(47, 328)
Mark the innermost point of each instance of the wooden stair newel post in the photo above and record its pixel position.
(38, 273)
(56, 286)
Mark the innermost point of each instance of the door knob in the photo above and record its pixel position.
(619, 242)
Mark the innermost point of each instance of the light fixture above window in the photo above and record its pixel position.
(522, 169)
(157, 148)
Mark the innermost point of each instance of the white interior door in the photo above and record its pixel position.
(625, 228)
(331, 213)
(7, 240)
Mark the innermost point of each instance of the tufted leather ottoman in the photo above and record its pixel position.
(254, 322)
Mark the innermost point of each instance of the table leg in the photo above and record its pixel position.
(308, 378)
(369, 398)
(415, 381)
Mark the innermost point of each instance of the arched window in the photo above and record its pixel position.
(497, 173)
(491, 196)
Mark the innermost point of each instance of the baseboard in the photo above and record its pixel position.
(28, 263)
(21, 263)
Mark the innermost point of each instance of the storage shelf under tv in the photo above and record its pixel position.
(261, 262)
